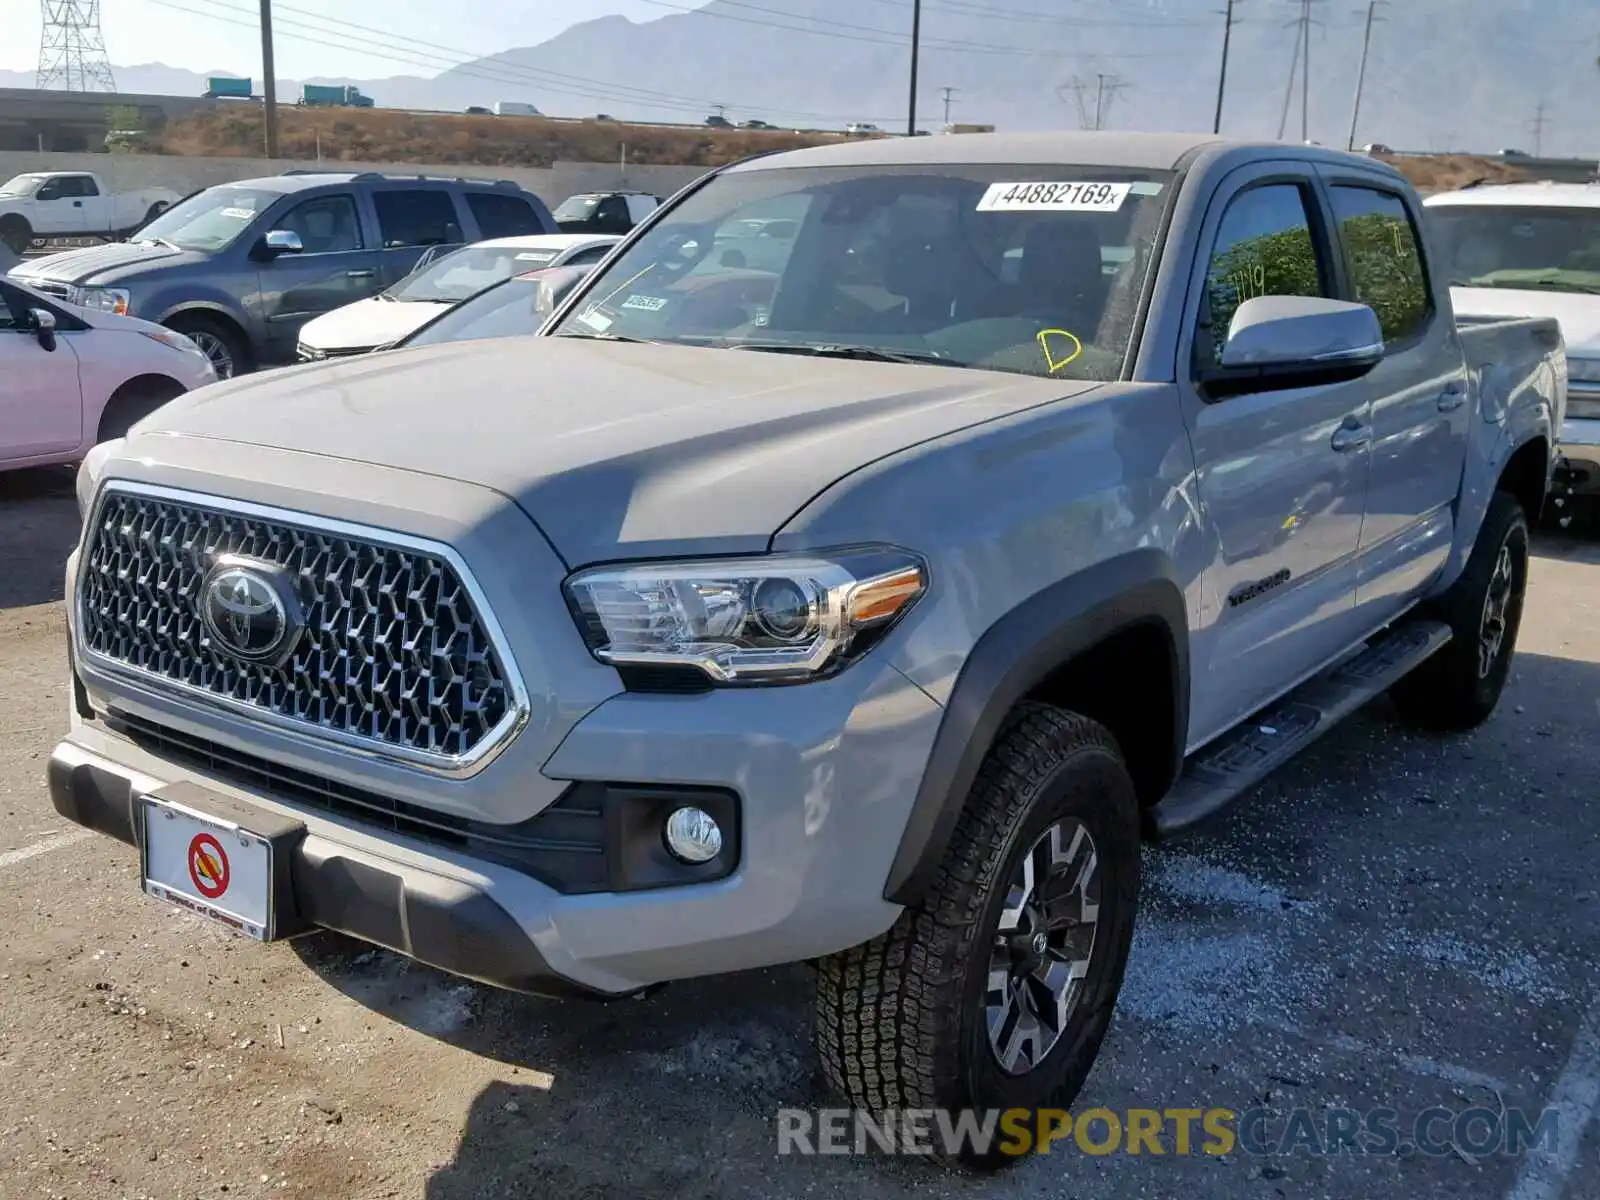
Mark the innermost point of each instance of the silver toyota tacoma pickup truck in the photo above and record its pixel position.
(864, 597)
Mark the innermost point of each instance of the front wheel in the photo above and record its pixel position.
(1458, 687)
(996, 991)
(219, 342)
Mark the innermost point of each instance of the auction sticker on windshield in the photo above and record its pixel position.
(209, 867)
(1054, 197)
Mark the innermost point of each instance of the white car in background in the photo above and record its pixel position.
(438, 285)
(1533, 250)
(70, 379)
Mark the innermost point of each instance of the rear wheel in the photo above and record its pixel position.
(16, 233)
(1458, 687)
(219, 340)
(996, 991)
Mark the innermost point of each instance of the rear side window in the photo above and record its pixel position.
(416, 218)
(1380, 245)
(503, 216)
(1264, 247)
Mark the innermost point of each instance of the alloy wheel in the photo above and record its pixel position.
(1496, 604)
(1043, 946)
(216, 350)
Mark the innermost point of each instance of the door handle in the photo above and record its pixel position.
(1453, 397)
(77, 204)
(1351, 437)
(368, 273)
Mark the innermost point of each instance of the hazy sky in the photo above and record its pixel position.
(203, 35)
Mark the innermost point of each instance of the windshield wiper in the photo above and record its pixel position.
(608, 337)
(158, 241)
(860, 353)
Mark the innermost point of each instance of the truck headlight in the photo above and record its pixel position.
(100, 299)
(783, 618)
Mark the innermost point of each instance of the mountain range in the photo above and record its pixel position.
(1442, 74)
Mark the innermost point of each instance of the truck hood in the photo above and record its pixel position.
(616, 450)
(1577, 313)
(106, 264)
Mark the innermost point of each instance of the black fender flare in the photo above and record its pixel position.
(1017, 653)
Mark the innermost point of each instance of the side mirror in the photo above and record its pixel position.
(44, 327)
(279, 241)
(1297, 341)
(555, 285)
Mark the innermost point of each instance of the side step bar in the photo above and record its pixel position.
(1227, 768)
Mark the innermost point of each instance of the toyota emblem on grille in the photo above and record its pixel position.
(249, 609)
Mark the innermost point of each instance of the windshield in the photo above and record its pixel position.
(577, 208)
(21, 185)
(208, 220)
(465, 273)
(504, 310)
(1513, 246)
(1029, 269)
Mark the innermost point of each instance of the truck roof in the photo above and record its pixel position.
(1147, 151)
(1542, 193)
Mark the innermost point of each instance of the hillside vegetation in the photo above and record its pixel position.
(383, 135)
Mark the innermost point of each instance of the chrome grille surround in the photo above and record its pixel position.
(401, 658)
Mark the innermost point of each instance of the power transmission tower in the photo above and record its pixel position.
(1300, 65)
(1537, 127)
(1079, 90)
(1105, 92)
(72, 51)
(1361, 74)
(1222, 75)
(949, 94)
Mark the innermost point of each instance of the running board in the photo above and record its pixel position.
(1227, 768)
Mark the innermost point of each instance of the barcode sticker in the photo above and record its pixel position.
(1054, 197)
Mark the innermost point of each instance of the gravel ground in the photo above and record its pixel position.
(1395, 921)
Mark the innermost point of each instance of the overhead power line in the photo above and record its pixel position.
(313, 29)
(883, 37)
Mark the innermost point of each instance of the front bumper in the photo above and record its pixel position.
(825, 775)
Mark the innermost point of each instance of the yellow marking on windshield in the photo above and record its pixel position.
(1052, 359)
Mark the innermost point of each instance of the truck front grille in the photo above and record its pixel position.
(394, 655)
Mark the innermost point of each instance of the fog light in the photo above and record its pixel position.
(693, 835)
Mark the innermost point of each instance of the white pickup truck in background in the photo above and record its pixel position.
(48, 204)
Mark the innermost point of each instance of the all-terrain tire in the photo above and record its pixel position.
(1458, 687)
(16, 234)
(901, 1020)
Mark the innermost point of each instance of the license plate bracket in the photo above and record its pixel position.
(221, 858)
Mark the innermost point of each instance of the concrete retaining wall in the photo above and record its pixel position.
(185, 175)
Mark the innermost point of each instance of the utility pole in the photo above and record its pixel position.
(1305, 71)
(1222, 75)
(269, 80)
(949, 92)
(1361, 74)
(916, 46)
(1537, 125)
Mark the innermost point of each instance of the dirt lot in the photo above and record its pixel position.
(1396, 921)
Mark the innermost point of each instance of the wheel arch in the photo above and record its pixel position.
(1526, 476)
(134, 389)
(1057, 647)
